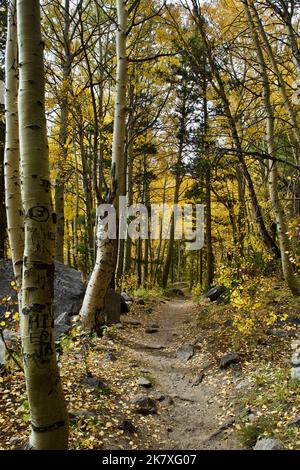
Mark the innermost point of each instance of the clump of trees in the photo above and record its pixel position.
(157, 102)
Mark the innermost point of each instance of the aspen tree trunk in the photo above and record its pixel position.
(118, 145)
(146, 264)
(15, 220)
(209, 245)
(209, 249)
(120, 262)
(182, 134)
(146, 242)
(3, 224)
(107, 249)
(124, 263)
(167, 265)
(285, 248)
(49, 419)
(129, 182)
(242, 209)
(63, 135)
(159, 247)
(139, 256)
(75, 221)
(3, 218)
(201, 267)
(128, 243)
(86, 185)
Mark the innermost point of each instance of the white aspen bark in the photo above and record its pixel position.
(13, 200)
(63, 135)
(129, 174)
(285, 248)
(118, 145)
(106, 257)
(99, 282)
(49, 419)
(129, 194)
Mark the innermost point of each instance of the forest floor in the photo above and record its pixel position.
(176, 345)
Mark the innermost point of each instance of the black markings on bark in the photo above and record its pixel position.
(37, 265)
(44, 352)
(36, 320)
(31, 289)
(35, 308)
(46, 184)
(38, 214)
(51, 427)
(33, 127)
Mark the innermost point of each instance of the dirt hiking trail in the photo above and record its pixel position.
(193, 403)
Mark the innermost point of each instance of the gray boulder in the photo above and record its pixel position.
(228, 359)
(110, 357)
(128, 426)
(2, 354)
(12, 342)
(295, 373)
(245, 383)
(126, 297)
(175, 292)
(268, 444)
(144, 382)
(185, 352)
(295, 422)
(215, 292)
(68, 289)
(144, 405)
(150, 330)
(74, 415)
(295, 359)
(94, 382)
(132, 322)
(295, 344)
(62, 325)
(198, 379)
(63, 319)
(126, 302)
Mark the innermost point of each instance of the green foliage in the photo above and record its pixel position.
(110, 331)
(66, 342)
(203, 315)
(250, 433)
(103, 391)
(197, 291)
(153, 292)
(24, 408)
(274, 398)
